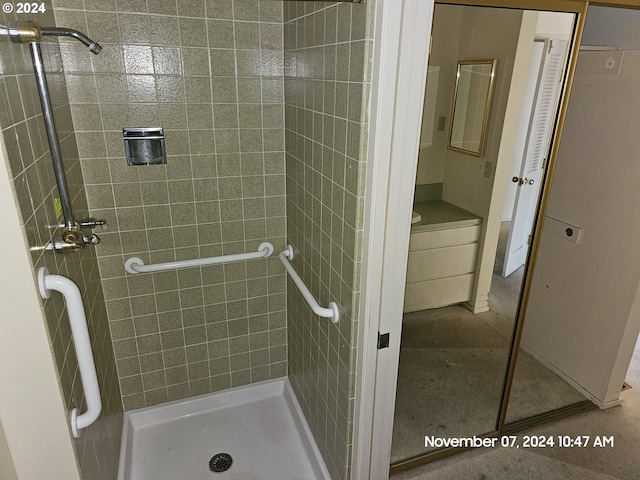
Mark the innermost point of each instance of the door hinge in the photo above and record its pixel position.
(383, 340)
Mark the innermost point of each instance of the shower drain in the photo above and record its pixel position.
(220, 462)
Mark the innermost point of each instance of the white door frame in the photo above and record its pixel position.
(399, 68)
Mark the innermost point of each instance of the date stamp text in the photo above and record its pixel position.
(525, 441)
(24, 7)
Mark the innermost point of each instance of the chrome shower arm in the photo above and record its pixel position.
(68, 32)
(27, 32)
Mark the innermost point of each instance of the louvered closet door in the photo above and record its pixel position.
(541, 124)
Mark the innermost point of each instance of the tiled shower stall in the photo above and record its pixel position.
(264, 105)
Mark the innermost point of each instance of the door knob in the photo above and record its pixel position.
(522, 181)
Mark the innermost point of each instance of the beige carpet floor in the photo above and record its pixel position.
(620, 462)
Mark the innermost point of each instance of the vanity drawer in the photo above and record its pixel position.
(437, 293)
(441, 262)
(444, 237)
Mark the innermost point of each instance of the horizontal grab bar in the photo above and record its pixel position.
(331, 312)
(82, 344)
(136, 265)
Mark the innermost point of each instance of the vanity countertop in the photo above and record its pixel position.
(438, 214)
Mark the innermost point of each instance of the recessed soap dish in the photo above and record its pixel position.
(144, 146)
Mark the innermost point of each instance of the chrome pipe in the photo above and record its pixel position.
(27, 32)
(54, 145)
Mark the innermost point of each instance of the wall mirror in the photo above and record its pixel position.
(471, 105)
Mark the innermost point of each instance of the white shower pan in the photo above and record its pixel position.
(260, 426)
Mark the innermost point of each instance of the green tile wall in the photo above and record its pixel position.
(327, 58)
(210, 73)
(34, 187)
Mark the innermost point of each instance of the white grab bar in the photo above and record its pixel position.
(136, 265)
(80, 335)
(331, 312)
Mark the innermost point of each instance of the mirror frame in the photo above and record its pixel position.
(485, 114)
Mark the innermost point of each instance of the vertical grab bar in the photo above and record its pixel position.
(80, 335)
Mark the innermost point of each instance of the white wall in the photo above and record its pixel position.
(7, 469)
(465, 183)
(444, 55)
(579, 320)
(31, 409)
(486, 33)
(555, 25)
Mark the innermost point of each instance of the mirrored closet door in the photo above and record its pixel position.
(493, 90)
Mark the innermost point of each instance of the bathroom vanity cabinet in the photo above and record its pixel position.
(443, 250)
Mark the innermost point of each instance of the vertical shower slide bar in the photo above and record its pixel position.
(54, 145)
(32, 33)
